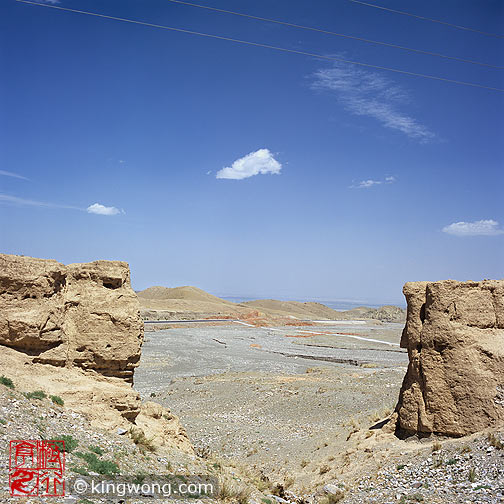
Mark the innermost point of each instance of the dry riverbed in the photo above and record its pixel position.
(278, 399)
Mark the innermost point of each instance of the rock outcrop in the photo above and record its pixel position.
(83, 315)
(75, 331)
(455, 339)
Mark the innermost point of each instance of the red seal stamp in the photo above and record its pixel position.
(37, 468)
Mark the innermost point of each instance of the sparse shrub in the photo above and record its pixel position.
(70, 443)
(438, 463)
(242, 496)
(451, 461)
(57, 400)
(139, 478)
(324, 469)
(465, 449)
(105, 467)
(495, 441)
(332, 498)
(288, 482)
(252, 451)
(37, 394)
(472, 475)
(139, 438)
(96, 449)
(225, 490)
(303, 463)
(266, 501)
(436, 446)
(81, 470)
(387, 412)
(2, 421)
(6, 381)
(203, 451)
(153, 394)
(414, 497)
(401, 466)
(374, 417)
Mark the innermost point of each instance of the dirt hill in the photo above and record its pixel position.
(295, 308)
(187, 293)
(190, 303)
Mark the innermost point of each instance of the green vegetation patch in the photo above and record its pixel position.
(6, 381)
(106, 467)
(37, 394)
(57, 400)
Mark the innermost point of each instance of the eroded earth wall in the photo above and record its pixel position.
(455, 339)
(83, 315)
(75, 331)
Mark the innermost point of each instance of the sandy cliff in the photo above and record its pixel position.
(455, 340)
(75, 331)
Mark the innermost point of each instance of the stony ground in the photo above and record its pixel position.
(278, 419)
(271, 396)
(37, 419)
(468, 470)
(283, 402)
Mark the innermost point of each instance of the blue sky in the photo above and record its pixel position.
(249, 171)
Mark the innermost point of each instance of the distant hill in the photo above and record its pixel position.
(297, 309)
(187, 293)
(190, 302)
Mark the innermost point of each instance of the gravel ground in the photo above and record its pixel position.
(285, 406)
(201, 351)
(464, 471)
(280, 401)
(34, 419)
(286, 418)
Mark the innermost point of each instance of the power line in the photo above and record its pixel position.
(266, 46)
(327, 32)
(428, 19)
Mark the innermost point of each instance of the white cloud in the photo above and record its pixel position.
(10, 174)
(478, 228)
(366, 93)
(99, 209)
(255, 163)
(366, 184)
(96, 208)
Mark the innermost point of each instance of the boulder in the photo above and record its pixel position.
(454, 334)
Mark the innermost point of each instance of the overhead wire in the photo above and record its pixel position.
(428, 19)
(266, 46)
(336, 34)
